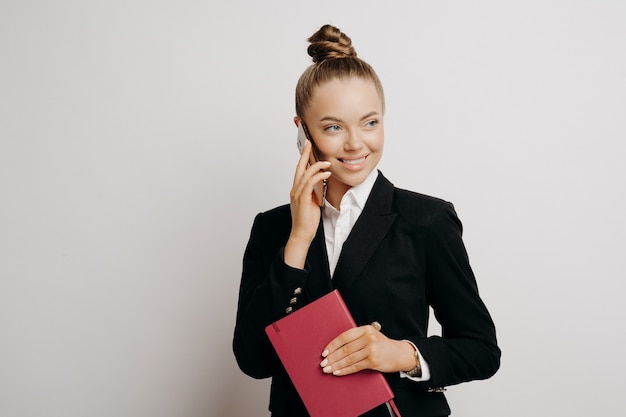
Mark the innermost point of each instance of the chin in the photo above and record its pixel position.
(354, 180)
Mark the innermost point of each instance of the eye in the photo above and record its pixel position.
(332, 128)
(371, 123)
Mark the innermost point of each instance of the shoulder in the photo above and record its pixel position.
(411, 207)
(386, 197)
(417, 203)
(277, 213)
(421, 210)
(273, 223)
(412, 198)
(276, 217)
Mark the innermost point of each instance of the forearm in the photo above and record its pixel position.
(295, 253)
(261, 302)
(421, 370)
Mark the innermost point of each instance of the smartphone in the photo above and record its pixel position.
(303, 135)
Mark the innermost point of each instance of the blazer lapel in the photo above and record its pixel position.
(318, 283)
(367, 233)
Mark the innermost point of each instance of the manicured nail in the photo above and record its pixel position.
(337, 372)
(327, 370)
(324, 363)
(325, 353)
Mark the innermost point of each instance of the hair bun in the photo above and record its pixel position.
(329, 42)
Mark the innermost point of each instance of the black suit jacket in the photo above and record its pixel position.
(404, 254)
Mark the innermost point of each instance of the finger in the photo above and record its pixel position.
(353, 362)
(348, 336)
(302, 173)
(353, 350)
(312, 176)
(307, 158)
(342, 340)
(302, 162)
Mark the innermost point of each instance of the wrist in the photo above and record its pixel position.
(416, 369)
(295, 252)
(405, 357)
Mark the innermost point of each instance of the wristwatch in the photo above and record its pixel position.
(417, 370)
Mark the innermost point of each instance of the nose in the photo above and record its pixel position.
(354, 140)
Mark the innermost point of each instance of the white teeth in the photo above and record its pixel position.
(353, 161)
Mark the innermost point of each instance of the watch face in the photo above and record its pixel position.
(416, 372)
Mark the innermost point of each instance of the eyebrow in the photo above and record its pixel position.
(336, 119)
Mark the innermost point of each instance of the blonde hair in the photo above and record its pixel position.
(333, 57)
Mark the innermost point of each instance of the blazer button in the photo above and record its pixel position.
(293, 300)
(288, 310)
(297, 291)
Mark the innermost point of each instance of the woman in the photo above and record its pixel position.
(391, 253)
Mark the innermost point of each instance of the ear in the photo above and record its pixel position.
(296, 120)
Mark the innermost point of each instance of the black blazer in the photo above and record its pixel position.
(404, 253)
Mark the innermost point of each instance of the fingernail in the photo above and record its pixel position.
(324, 363)
(337, 372)
(327, 369)
(325, 353)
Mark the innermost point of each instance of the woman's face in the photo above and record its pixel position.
(345, 120)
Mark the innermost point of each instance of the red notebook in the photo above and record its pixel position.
(299, 339)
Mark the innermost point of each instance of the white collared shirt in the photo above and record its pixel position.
(337, 226)
(339, 223)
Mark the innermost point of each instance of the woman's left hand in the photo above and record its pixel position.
(365, 347)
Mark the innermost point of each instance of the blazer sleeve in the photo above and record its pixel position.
(267, 287)
(467, 348)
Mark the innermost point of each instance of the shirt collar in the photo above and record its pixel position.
(359, 193)
(362, 191)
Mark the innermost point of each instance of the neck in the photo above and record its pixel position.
(335, 192)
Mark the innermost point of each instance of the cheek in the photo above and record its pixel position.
(376, 142)
(328, 148)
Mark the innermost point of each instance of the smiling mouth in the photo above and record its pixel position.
(353, 161)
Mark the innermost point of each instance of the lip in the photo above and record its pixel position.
(353, 164)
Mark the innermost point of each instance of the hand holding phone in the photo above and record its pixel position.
(303, 135)
(307, 194)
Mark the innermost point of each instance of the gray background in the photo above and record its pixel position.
(139, 138)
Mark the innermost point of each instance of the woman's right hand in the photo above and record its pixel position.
(305, 207)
